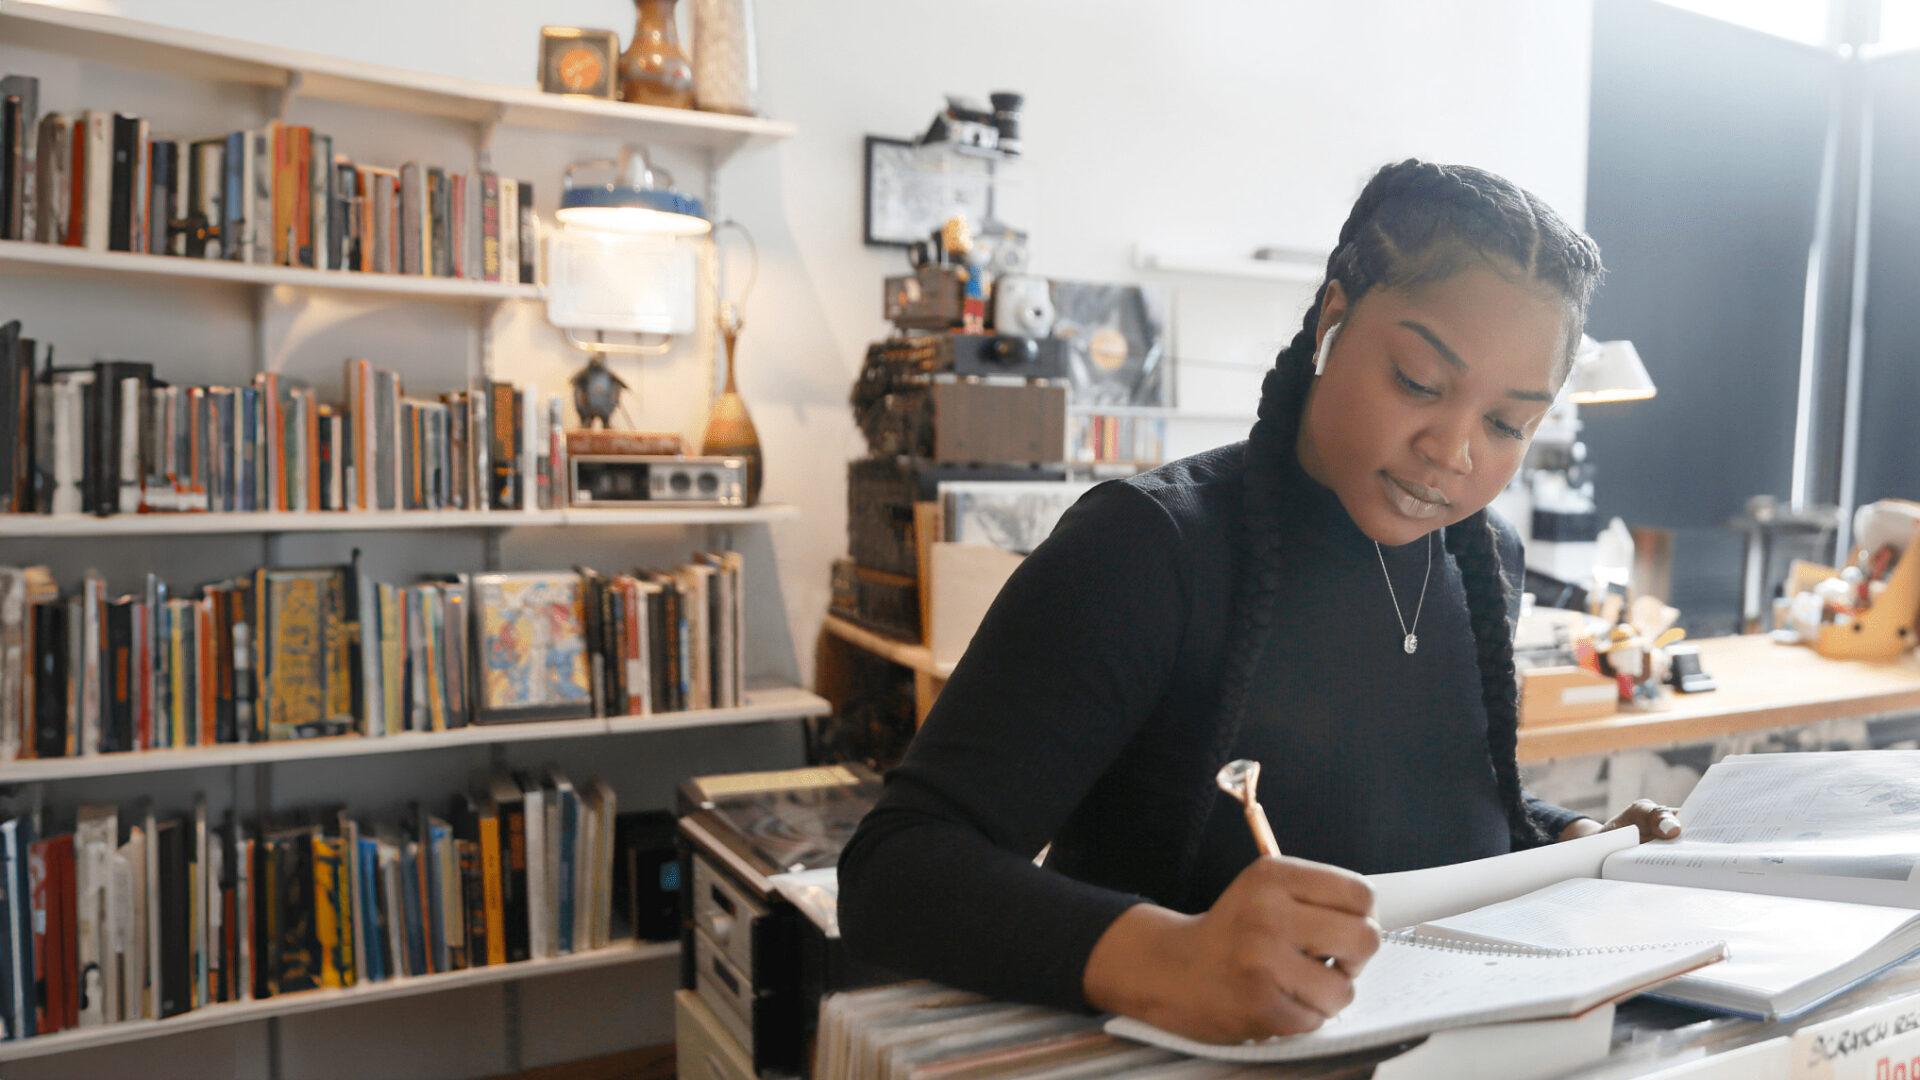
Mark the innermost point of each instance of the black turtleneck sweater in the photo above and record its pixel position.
(1082, 713)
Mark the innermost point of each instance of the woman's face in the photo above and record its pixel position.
(1430, 397)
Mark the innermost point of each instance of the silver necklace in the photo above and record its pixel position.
(1412, 640)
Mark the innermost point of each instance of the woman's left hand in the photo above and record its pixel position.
(1655, 822)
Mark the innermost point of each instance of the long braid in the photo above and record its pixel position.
(1414, 222)
(1475, 550)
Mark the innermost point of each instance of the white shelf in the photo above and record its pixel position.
(58, 258)
(22, 526)
(240, 1012)
(1216, 266)
(208, 57)
(1161, 412)
(763, 704)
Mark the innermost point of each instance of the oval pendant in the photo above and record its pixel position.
(1410, 644)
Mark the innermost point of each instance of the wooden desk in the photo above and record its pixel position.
(1762, 685)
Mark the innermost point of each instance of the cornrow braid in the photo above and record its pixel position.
(1414, 223)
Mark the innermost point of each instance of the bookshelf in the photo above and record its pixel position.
(239, 1012)
(143, 269)
(273, 314)
(166, 50)
(764, 704)
(22, 526)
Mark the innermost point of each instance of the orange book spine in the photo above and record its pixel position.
(301, 245)
(209, 675)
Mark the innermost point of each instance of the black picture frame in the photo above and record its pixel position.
(881, 226)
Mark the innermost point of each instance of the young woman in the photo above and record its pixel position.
(1331, 598)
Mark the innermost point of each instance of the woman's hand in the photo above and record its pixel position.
(1247, 968)
(1655, 822)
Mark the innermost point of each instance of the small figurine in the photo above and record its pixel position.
(596, 392)
(1635, 653)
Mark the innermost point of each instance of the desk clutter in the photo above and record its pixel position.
(280, 654)
(1792, 885)
(1868, 608)
(760, 938)
(275, 195)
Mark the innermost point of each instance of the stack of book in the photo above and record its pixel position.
(112, 438)
(275, 195)
(304, 653)
(132, 917)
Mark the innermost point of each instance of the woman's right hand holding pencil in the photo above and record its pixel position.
(1276, 955)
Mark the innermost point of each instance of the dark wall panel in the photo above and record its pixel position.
(1890, 377)
(1703, 176)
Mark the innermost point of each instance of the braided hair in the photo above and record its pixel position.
(1414, 223)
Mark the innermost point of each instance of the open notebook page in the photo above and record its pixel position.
(1775, 945)
(1834, 825)
(1414, 986)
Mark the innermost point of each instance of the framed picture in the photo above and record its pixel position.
(530, 647)
(911, 190)
(580, 62)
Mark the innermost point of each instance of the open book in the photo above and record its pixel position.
(1807, 865)
(1416, 985)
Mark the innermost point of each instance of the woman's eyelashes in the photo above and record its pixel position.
(1420, 390)
(1429, 393)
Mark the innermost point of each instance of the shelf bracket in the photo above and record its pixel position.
(283, 96)
(484, 130)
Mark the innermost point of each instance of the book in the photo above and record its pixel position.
(1801, 862)
(530, 646)
(1417, 984)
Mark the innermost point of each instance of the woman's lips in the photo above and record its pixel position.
(1413, 500)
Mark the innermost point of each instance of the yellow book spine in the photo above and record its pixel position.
(326, 911)
(490, 889)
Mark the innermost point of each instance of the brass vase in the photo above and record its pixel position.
(730, 430)
(654, 70)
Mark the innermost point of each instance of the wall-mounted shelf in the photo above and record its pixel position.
(763, 704)
(239, 1012)
(21, 526)
(208, 57)
(1168, 262)
(57, 258)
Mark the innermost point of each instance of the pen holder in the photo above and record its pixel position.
(1881, 632)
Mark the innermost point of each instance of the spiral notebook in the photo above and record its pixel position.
(1416, 985)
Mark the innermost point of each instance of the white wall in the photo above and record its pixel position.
(1204, 128)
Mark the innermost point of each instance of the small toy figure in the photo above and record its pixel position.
(1635, 653)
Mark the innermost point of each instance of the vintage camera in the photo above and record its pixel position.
(1023, 307)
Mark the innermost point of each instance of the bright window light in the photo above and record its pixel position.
(1804, 21)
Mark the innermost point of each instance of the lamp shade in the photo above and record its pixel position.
(1607, 371)
(640, 199)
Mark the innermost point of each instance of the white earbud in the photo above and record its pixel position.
(1326, 346)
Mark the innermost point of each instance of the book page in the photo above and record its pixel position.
(1414, 986)
(1833, 825)
(1411, 897)
(1774, 943)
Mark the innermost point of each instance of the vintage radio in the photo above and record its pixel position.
(752, 843)
(644, 480)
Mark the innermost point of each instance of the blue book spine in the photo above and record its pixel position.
(439, 837)
(233, 200)
(373, 931)
(249, 445)
(19, 924)
(10, 1005)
